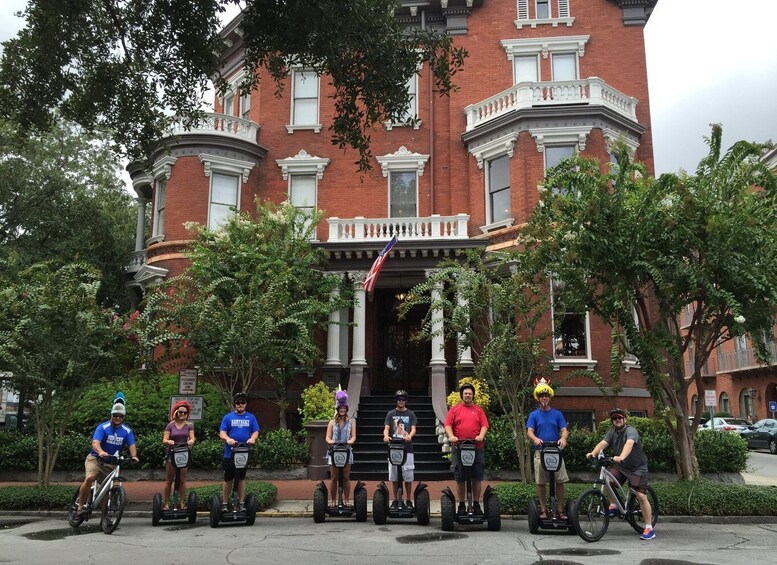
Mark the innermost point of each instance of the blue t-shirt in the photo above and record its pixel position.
(547, 425)
(112, 439)
(239, 427)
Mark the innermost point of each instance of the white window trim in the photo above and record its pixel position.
(577, 65)
(588, 362)
(291, 127)
(504, 145)
(520, 22)
(405, 170)
(210, 193)
(507, 222)
(389, 124)
(303, 164)
(569, 135)
(545, 45)
(317, 177)
(536, 62)
(226, 165)
(403, 160)
(162, 169)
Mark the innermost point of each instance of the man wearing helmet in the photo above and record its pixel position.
(236, 427)
(467, 420)
(547, 424)
(401, 423)
(631, 463)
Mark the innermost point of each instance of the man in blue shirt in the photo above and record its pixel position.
(547, 424)
(238, 426)
(108, 440)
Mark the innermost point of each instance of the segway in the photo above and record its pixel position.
(551, 458)
(340, 455)
(180, 460)
(491, 511)
(235, 513)
(397, 455)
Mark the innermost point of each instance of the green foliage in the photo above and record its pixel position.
(265, 493)
(18, 451)
(500, 444)
(282, 449)
(482, 397)
(53, 497)
(209, 454)
(721, 452)
(125, 67)
(317, 402)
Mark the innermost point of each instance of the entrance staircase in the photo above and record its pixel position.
(370, 452)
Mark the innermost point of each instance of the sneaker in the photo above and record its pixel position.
(394, 505)
(409, 505)
(477, 509)
(612, 511)
(648, 534)
(462, 508)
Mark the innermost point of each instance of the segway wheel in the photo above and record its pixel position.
(251, 506)
(493, 513)
(534, 516)
(447, 513)
(191, 505)
(156, 509)
(215, 511)
(360, 504)
(319, 505)
(72, 519)
(423, 507)
(379, 507)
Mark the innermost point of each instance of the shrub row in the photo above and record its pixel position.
(276, 449)
(680, 498)
(58, 497)
(716, 452)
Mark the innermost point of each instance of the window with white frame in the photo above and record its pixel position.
(403, 194)
(245, 105)
(725, 403)
(526, 68)
(565, 52)
(498, 189)
(537, 12)
(159, 208)
(570, 329)
(305, 91)
(302, 195)
(229, 104)
(555, 154)
(412, 92)
(303, 171)
(564, 66)
(224, 197)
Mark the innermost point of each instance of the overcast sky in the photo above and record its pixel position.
(708, 61)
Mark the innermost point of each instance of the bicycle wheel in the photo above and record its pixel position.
(634, 512)
(589, 515)
(113, 509)
(72, 519)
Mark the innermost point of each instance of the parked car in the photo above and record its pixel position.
(701, 422)
(726, 424)
(762, 435)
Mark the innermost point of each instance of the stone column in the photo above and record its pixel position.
(356, 384)
(438, 339)
(140, 229)
(333, 331)
(466, 354)
(437, 365)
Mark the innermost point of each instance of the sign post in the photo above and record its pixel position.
(773, 407)
(710, 401)
(187, 381)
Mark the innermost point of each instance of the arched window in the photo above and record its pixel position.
(746, 404)
(725, 403)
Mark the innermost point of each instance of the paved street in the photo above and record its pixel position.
(300, 541)
(762, 468)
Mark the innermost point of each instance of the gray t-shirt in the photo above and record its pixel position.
(637, 460)
(400, 424)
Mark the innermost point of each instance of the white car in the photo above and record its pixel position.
(726, 424)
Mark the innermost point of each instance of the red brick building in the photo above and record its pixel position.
(544, 79)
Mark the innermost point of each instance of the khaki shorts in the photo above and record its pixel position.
(94, 466)
(541, 476)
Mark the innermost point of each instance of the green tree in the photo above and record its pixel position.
(124, 64)
(249, 305)
(56, 340)
(493, 304)
(62, 200)
(637, 251)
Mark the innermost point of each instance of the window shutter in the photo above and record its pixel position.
(523, 9)
(563, 8)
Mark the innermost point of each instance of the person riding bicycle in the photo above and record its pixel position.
(467, 420)
(179, 431)
(547, 424)
(401, 423)
(341, 429)
(108, 440)
(630, 463)
(236, 427)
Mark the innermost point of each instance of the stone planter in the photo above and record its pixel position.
(317, 468)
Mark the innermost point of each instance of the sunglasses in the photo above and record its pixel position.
(239, 402)
(118, 416)
(617, 418)
(184, 412)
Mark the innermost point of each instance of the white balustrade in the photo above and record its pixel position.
(371, 229)
(136, 260)
(591, 91)
(218, 124)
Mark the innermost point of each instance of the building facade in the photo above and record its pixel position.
(544, 79)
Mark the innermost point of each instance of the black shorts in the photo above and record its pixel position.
(230, 471)
(476, 471)
(638, 480)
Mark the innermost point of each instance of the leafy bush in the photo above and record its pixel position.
(721, 452)
(500, 444)
(280, 449)
(265, 493)
(317, 402)
(207, 454)
(482, 397)
(18, 451)
(53, 497)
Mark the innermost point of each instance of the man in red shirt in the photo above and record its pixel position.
(467, 420)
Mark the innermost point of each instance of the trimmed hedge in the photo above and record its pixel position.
(265, 493)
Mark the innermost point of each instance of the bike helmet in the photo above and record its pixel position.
(542, 386)
(465, 386)
(400, 394)
(618, 411)
(240, 396)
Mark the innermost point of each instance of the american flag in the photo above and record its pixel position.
(372, 276)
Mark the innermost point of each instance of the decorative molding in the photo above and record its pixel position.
(163, 167)
(545, 45)
(611, 137)
(401, 160)
(504, 145)
(291, 128)
(358, 278)
(226, 165)
(560, 136)
(303, 163)
(149, 276)
(497, 225)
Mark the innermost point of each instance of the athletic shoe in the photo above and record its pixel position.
(478, 510)
(612, 511)
(648, 534)
(462, 508)
(409, 505)
(394, 505)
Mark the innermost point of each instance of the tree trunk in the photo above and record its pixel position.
(525, 455)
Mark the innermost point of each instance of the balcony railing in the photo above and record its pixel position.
(590, 91)
(218, 124)
(372, 229)
(136, 261)
(745, 359)
(710, 366)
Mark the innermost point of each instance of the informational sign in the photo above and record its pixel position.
(187, 381)
(196, 403)
(773, 407)
(710, 398)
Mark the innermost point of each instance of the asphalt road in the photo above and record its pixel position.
(762, 468)
(300, 541)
